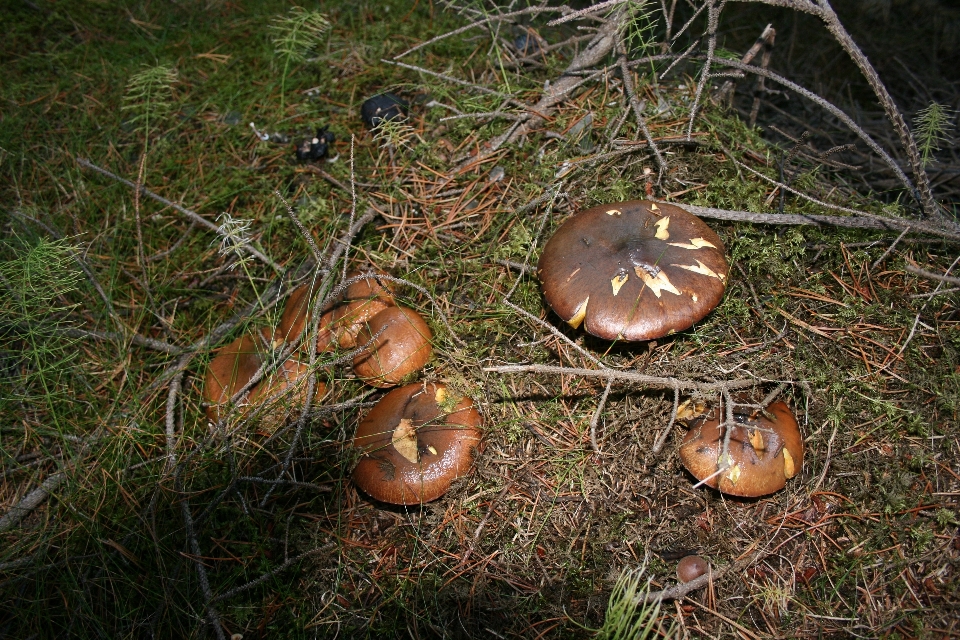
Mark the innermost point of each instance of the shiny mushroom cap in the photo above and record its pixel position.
(370, 287)
(402, 348)
(633, 270)
(230, 371)
(764, 452)
(691, 567)
(342, 324)
(296, 312)
(234, 366)
(415, 442)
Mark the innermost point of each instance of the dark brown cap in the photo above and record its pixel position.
(296, 312)
(764, 452)
(414, 443)
(633, 270)
(402, 348)
(234, 366)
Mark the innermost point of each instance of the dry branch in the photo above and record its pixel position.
(190, 215)
(625, 376)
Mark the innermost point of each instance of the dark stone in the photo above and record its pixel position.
(315, 148)
(385, 106)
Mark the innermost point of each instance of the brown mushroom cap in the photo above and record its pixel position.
(415, 444)
(764, 452)
(234, 366)
(370, 287)
(691, 567)
(288, 384)
(633, 270)
(296, 312)
(229, 371)
(348, 320)
(402, 348)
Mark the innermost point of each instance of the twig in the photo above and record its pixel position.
(922, 226)
(836, 111)
(626, 376)
(549, 327)
(596, 416)
(191, 215)
(658, 445)
(31, 501)
(713, 19)
(479, 23)
(137, 339)
(863, 221)
(574, 15)
(269, 574)
(638, 111)
(889, 250)
(171, 421)
(931, 275)
(212, 616)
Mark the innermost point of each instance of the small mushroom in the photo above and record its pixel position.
(402, 348)
(764, 452)
(234, 366)
(415, 442)
(633, 270)
(691, 568)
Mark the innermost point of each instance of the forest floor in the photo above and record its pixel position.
(124, 514)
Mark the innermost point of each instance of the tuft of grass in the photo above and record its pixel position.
(148, 98)
(933, 126)
(36, 279)
(294, 36)
(629, 616)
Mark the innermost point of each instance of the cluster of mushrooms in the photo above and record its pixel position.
(639, 271)
(629, 271)
(415, 441)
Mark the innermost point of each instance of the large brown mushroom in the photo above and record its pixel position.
(414, 443)
(764, 452)
(364, 299)
(402, 348)
(234, 366)
(633, 270)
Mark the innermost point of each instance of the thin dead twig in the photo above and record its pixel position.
(625, 376)
(638, 112)
(862, 221)
(190, 215)
(479, 23)
(931, 275)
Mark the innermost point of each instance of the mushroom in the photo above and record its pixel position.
(633, 270)
(402, 348)
(414, 443)
(764, 452)
(234, 366)
(370, 287)
(296, 311)
(691, 567)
